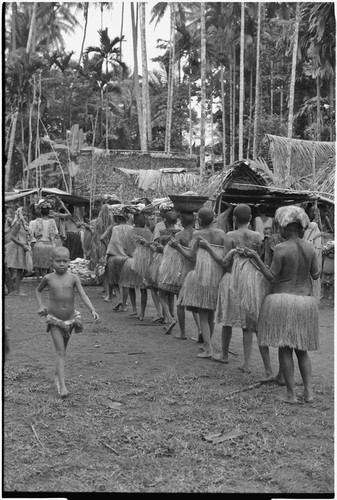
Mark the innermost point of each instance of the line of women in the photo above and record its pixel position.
(218, 280)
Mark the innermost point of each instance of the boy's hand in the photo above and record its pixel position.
(95, 316)
(43, 311)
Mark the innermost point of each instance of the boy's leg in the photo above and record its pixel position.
(181, 321)
(60, 347)
(287, 366)
(247, 349)
(211, 322)
(143, 303)
(206, 333)
(304, 365)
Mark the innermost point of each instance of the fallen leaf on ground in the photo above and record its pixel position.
(219, 437)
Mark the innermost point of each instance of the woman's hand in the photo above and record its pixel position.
(203, 243)
(173, 243)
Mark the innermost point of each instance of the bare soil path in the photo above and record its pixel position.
(146, 415)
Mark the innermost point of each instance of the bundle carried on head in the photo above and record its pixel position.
(42, 203)
(290, 214)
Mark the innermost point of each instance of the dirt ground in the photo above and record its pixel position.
(144, 414)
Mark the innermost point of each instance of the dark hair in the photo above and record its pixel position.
(45, 210)
(171, 217)
(206, 215)
(94, 212)
(242, 213)
(187, 219)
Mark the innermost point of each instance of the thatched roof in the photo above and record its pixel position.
(252, 182)
(307, 158)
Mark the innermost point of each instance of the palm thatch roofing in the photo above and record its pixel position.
(73, 199)
(307, 158)
(250, 181)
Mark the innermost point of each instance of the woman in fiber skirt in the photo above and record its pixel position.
(289, 314)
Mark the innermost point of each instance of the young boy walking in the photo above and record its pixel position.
(62, 318)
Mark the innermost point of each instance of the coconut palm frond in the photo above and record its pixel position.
(42, 161)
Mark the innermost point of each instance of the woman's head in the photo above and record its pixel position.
(187, 219)
(242, 214)
(170, 218)
(291, 220)
(205, 217)
(139, 220)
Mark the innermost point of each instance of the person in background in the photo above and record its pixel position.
(118, 250)
(43, 231)
(313, 234)
(18, 251)
(73, 237)
(262, 220)
(328, 270)
(87, 231)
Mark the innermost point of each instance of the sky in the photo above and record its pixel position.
(112, 21)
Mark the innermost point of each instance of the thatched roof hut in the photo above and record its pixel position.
(249, 182)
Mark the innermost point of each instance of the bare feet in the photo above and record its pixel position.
(169, 329)
(279, 381)
(124, 309)
(20, 294)
(245, 370)
(57, 384)
(267, 380)
(205, 354)
(308, 397)
(158, 319)
(117, 306)
(134, 313)
(141, 318)
(64, 393)
(220, 358)
(286, 399)
(107, 299)
(180, 337)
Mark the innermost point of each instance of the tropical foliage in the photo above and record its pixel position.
(230, 74)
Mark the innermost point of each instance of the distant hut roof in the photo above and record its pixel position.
(246, 181)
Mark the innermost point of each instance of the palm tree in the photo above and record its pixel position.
(203, 88)
(242, 81)
(85, 13)
(292, 87)
(257, 82)
(142, 128)
(107, 54)
(145, 81)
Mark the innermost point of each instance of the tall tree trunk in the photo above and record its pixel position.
(203, 89)
(31, 29)
(281, 105)
(86, 7)
(318, 107)
(10, 150)
(331, 107)
(242, 80)
(13, 25)
(121, 35)
(271, 87)
(231, 155)
(147, 123)
(234, 102)
(223, 113)
(190, 108)
(170, 82)
(250, 110)
(292, 90)
(257, 84)
(142, 129)
(211, 119)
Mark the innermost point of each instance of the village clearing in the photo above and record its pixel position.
(146, 415)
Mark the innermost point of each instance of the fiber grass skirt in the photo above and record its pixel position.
(173, 270)
(15, 256)
(42, 254)
(114, 268)
(228, 310)
(200, 288)
(288, 320)
(153, 271)
(129, 278)
(141, 259)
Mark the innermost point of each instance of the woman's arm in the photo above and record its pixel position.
(189, 253)
(314, 270)
(269, 274)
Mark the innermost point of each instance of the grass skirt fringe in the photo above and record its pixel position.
(200, 288)
(42, 254)
(228, 310)
(153, 270)
(288, 320)
(129, 278)
(15, 256)
(114, 268)
(141, 260)
(173, 270)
